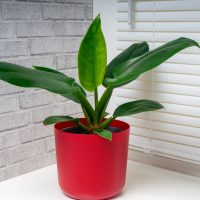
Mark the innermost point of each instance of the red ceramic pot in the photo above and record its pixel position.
(89, 166)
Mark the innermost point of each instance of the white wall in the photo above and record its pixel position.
(42, 33)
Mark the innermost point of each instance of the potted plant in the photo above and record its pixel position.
(92, 151)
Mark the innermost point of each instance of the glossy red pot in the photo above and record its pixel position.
(89, 166)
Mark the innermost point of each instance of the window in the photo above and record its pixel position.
(172, 135)
(174, 132)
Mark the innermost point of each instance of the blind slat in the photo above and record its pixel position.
(179, 68)
(163, 126)
(166, 136)
(164, 87)
(174, 16)
(139, 6)
(140, 26)
(165, 6)
(161, 97)
(136, 16)
(173, 149)
(175, 131)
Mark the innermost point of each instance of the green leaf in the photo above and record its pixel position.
(135, 107)
(69, 96)
(104, 133)
(92, 57)
(55, 119)
(132, 51)
(131, 69)
(26, 77)
(48, 70)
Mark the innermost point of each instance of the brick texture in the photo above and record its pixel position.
(9, 139)
(25, 151)
(47, 45)
(36, 33)
(45, 61)
(9, 104)
(21, 10)
(39, 162)
(35, 132)
(54, 45)
(63, 11)
(89, 12)
(39, 114)
(66, 61)
(68, 28)
(50, 144)
(33, 29)
(2, 159)
(14, 120)
(6, 30)
(34, 99)
(14, 48)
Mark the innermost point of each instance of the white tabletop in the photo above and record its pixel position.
(144, 182)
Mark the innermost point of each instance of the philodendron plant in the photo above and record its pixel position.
(94, 71)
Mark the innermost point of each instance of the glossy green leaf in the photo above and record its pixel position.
(135, 107)
(92, 57)
(48, 70)
(55, 119)
(132, 51)
(78, 96)
(131, 69)
(69, 96)
(26, 77)
(104, 133)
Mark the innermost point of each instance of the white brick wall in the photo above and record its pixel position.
(68, 60)
(7, 29)
(41, 33)
(36, 98)
(21, 10)
(14, 48)
(34, 29)
(68, 28)
(63, 11)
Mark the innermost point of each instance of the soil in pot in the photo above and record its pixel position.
(78, 130)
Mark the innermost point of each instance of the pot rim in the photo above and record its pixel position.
(61, 125)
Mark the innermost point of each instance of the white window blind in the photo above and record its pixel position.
(175, 131)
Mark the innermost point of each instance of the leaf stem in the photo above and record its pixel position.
(102, 104)
(86, 105)
(106, 123)
(96, 97)
(85, 128)
(86, 115)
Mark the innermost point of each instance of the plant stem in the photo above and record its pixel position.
(86, 105)
(81, 125)
(102, 104)
(106, 123)
(96, 97)
(86, 115)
